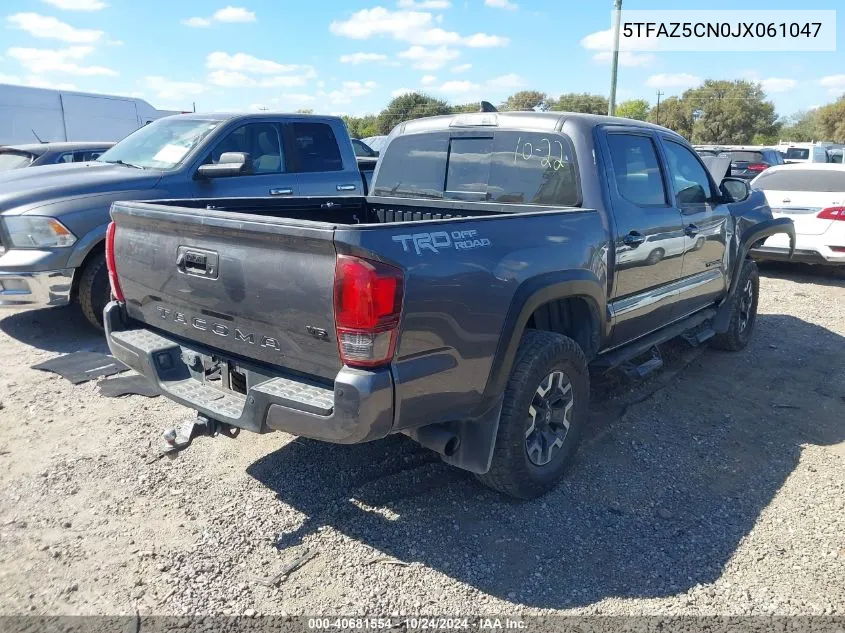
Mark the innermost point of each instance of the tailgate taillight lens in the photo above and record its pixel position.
(367, 306)
(757, 167)
(115, 284)
(832, 213)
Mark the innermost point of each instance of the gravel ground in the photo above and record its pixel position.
(716, 487)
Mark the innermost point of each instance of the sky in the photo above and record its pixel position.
(353, 56)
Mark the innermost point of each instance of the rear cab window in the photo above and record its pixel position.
(533, 168)
(13, 160)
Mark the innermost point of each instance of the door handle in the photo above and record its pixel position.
(346, 187)
(633, 239)
(281, 192)
(691, 230)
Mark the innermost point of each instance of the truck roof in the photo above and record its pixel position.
(522, 120)
(231, 116)
(40, 148)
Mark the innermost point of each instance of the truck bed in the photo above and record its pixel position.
(347, 210)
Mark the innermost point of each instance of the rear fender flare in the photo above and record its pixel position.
(529, 296)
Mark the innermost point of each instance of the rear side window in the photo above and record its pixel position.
(791, 179)
(746, 157)
(636, 169)
(797, 153)
(316, 146)
(508, 167)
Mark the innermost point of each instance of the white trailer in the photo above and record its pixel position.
(31, 115)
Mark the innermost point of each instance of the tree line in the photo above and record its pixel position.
(718, 112)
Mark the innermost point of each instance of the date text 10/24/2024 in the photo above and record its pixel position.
(421, 623)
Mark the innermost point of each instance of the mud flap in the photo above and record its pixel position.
(478, 438)
(750, 236)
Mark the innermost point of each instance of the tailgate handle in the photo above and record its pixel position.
(197, 262)
(346, 187)
(281, 192)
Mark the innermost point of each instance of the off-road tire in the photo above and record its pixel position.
(737, 336)
(94, 291)
(539, 354)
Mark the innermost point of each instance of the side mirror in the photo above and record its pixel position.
(736, 189)
(230, 164)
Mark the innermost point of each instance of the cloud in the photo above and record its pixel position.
(458, 87)
(462, 68)
(676, 80)
(48, 27)
(603, 41)
(511, 80)
(241, 62)
(227, 14)
(429, 58)
(77, 5)
(424, 4)
(778, 84)
(35, 81)
(233, 14)
(173, 90)
(427, 80)
(42, 60)
(502, 4)
(350, 90)
(396, 93)
(235, 79)
(482, 40)
(415, 27)
(298, 97)
(361, 58)
(366, 23)
(835, 84)
(626, 58)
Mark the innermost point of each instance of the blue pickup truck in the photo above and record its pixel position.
(53, 219)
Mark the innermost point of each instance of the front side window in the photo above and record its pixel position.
(692, 186)
(317, 147)
(163, 144)
(636, 169)
(260, 141)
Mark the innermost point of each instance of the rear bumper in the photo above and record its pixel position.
(358, 408)
(36, 289)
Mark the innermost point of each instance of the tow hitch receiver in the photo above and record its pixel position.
(180, 437)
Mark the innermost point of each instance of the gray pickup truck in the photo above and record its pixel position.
(463, 304)
(53, 219)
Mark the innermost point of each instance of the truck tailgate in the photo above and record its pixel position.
(252, 286)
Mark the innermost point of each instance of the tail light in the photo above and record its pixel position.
(115, 284)
(757, 167)
(367, 307)
(832, 213)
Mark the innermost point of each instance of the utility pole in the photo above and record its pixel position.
(617, 16)
(657, 116)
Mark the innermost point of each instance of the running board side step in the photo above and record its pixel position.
(639, 371)
(617, 357)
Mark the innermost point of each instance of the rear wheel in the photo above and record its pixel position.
(94, 290)
(743, 310)
(545, 408)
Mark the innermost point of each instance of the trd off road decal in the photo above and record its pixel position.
(438, 240)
